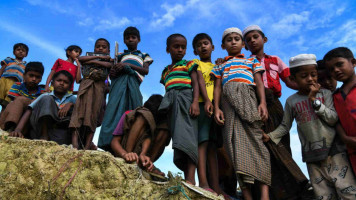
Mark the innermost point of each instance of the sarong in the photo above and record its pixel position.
(184, 128)
(14, 111)
(242, 134)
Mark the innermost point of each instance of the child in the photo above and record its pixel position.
(72, 53)
(22, 95)
(287, 179)
(203, 46)
(237, 79)
(182, 105)
(341, 63)
(50, 113)
(314, 112)
(90, 94)
(325, 80)
(12, 71)
(126, 78)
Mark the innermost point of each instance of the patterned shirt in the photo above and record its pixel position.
(275, 69)
(67, 98)
(67, 66)
(19, 89)
(178, 76)
(13, 69)
(135, 58)
(205, 68)
(237, 69)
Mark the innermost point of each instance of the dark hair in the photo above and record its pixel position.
(321, 65)
(65, 73)
(258, 31)
(35, 67)
(229, 34)
(201, 36)
(103, 39)
(173, 36)
(21, 45)
(132, 31)
(342, 52)
(153, 103)
(71, 48)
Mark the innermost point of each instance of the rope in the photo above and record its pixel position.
(176, 190)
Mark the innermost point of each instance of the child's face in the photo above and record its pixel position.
(340, 68)
(20, 52)
(61, 84)
(32, 79)
(233, 44)
(177, 48)
(203, 48)
(306, 77)
(254, 41)
(326, 81)
(101, 46)
(74, 54)
(131, 42)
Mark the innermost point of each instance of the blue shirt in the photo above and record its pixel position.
(67, 98)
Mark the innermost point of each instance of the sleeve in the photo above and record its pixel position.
(119, 130)
(217, 71)
(256, 66)
(73, 99)
(147, 58)
(163, 76)
(56, 65)
(327, 111)
(283, 69)
(119, 57)
(192, 66)
(36, 101)
(14, 91)
(6, 61)
(285, 126)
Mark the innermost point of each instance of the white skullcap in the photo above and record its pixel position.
(302, 59)
(251, 28)
(231, 30)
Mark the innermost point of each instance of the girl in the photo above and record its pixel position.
(72, 53)
(182, 105)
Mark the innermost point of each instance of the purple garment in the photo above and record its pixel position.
(119, 130)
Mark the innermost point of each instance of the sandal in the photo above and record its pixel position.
(157, 176)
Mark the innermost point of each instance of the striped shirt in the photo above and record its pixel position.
(237, 69)
(13, 69)
(19, 89)
(178, 76)
(135, 58)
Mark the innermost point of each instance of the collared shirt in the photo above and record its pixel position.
(14, 69)
(20, 89)
(67, 66)
(275, 69)
(237, 69)
(136, 58)
(67, 98)
(178, 76)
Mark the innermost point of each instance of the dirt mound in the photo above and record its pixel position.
(34, 169)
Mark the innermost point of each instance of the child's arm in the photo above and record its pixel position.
(208, 105)
(20, 126)
(194, 108)
(105, 64)
(84, 59)
(120, 152)
(64, 111)
(218, 114)
(262, 108)
(291, 84)
(284, 127)
(142, 70)
(350, 141)
(3, 66)
(79, 73)
(145, 160)
(49, 79)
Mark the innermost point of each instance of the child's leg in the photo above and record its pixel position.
(44, 122)
(202, 151)
(189, 171)
(212, 161)
(159, 144)
(88, 140)
(75, 135)
(246, 192)
(264, 191)
(318, 177)
(137, 129)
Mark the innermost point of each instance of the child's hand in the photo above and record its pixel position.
(219, 61)
(47, 89)
(262, 110)
(108, 58)
(194, 110)
(314, 89)
(64, 111)
(146, 162)
(130, 157)
(16, 133)
(265, 137)
(208, 107)
(77, 61)
(219, 117)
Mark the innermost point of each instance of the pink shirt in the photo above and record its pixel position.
(119, 130)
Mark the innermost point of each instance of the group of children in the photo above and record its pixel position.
(240, 93)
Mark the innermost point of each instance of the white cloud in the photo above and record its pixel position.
(112, 23)
(167, 20)
(88, 21)
(291, 24)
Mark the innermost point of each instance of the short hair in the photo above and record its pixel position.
(173, 36)
(22, 45)
(103, 39)
(35, 67)
(201, 36)
(153, 104)
(132, 31)
(342, 52)
(321, 65)
(71, 48)
(65, 73)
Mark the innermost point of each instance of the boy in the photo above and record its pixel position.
(341, 63)
(325, 80)
(126, 77)
(50, 113)
(22, 95)
(12, 71)
(314, 112)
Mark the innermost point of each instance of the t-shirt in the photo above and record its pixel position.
(67, 66)
(19, 89)
(315, 127)
(119, 130)
(275, 69)
(178, 76)
(205, 68)
(13, 69)
(67, 98)
(135, 58)
(237, 69)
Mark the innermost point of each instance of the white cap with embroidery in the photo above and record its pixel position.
(302, 59)
(251, 28)
(231, 30)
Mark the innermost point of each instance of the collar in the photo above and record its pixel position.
(128, 51)
(339, 89)
(264, 56)
(23, 87)
(64, 97)
(182, 62)
(18, 62)
(231, 57)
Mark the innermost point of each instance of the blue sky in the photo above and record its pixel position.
(49, 26)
